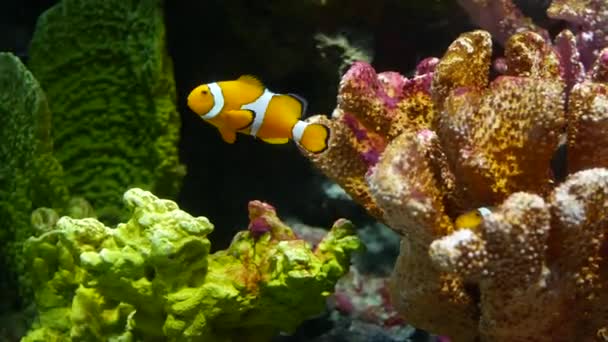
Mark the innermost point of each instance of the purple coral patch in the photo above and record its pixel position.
(258, 227)
(371, 157)
(604, 57)
(500, 65)
(356, 127)
(370, 153)
(571, 67)
(420, 83)
(426, 66)
(362, 81)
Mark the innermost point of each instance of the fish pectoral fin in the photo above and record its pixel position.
(228, 135)
(239, 119)
(276, 140)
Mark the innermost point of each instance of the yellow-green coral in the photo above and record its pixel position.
(153, 277)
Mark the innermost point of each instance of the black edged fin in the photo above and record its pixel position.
(239, 119)
(302, 101)
(250, 122)
(250, 79)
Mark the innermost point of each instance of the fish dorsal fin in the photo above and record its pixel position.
(250, 79)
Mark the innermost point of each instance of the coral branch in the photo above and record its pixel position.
(534, 256)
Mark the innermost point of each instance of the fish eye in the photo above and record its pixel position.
(204, 92)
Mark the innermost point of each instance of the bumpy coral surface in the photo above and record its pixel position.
(153, 277)
(110, 87)
(588, 19)
(588, 110)
(29, 175)
(532, 270)
(533, 257)
(500, 17)
(373, 109)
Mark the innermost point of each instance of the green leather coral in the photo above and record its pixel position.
(109, 80)
(29, 174)
(153, 277)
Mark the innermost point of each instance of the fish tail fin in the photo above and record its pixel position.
(314, 137)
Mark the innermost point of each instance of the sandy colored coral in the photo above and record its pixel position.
(373, 108)
(588, 123)
(528, 55)
(506, 259)
(532, 258)
(499, 139)
(344, 162)
(404, 184)
(473, 49)
(534, 269)
(153, 278)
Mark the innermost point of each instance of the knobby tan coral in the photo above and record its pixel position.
(534, 269)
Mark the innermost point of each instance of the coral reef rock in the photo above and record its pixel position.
(153, 278)
(419, 152)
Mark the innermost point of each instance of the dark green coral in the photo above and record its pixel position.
(30, 176)
(109, 80)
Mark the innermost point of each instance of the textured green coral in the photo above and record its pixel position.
(30, 176)
(109, 80)
(153, 278)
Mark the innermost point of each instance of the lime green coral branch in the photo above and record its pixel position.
(153, 276)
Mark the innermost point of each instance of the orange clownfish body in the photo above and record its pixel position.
(245, 105)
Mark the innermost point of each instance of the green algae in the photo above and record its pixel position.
(109, 80)
(152, 278)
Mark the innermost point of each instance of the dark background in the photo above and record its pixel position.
(222, 39)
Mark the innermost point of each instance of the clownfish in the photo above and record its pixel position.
(245, 105)
(472, 219)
